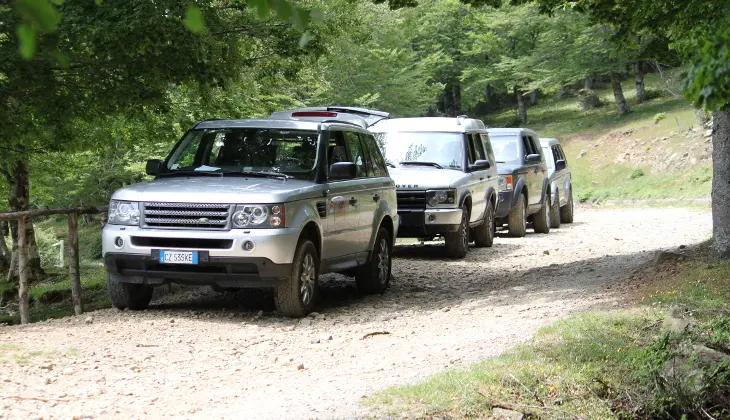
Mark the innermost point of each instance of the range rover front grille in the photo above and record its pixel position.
(411, 200)
(186, 215)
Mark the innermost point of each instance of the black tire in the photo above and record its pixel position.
(457, 243)
(555, 212)
(517, 219)
(298, 295)
(374, 276)
(484, 233)
(541, 219)
(129, 295)
(566, 211)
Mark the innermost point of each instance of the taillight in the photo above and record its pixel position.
(314, 114)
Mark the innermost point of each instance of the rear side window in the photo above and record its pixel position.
(562, 155)
(476, 141)
(488, 148)
(357, 153)
(375, 159)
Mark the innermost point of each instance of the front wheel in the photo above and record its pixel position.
(484, 233)
(566, 212)
(457, 243)
(541, 219)
(374, 277)
(555, 212)
(129, 295)
(297, 296)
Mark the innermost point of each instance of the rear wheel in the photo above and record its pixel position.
(297, 296)
(555, 212)
(517, 220)
(566, 211)
(129, 295)
(374, 277)
(484, 233)
(541, 219)
(457, 243)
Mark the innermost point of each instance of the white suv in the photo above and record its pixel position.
(446, 179)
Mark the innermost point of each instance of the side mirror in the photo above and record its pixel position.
(533, 158)
(480, 165)
(342, 170)
(154, 167)
(560, 165)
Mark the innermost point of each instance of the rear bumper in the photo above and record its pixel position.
(211, 270)
(422, 223)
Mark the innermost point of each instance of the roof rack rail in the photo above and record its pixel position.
(207, 119)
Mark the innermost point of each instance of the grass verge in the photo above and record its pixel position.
(598, 365)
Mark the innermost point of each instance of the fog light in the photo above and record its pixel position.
(247, 246)
(118, 242)
(431, 217)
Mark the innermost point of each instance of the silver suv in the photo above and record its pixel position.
(270, 203)
(446, 179)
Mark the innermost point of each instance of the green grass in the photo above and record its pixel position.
(593, 365)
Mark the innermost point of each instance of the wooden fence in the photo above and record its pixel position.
(73, 253)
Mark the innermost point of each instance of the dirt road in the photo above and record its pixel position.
(197, 354)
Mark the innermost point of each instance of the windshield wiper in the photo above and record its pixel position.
(260, 174)
(413, 162)
(189, 173)
(499, 161)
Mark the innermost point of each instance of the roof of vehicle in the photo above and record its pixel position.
(264, 123)
(549, 142)
(428, 124)
(359, 116)
(508, 131)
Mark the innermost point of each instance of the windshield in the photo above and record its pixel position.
(506, 148)
(247, 149)
(444, 149)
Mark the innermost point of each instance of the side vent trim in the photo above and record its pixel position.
(322, 209)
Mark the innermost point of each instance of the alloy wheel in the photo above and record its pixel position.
(383, 261)
(307, 279)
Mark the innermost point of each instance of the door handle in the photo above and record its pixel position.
(376, 197)
(353, 201)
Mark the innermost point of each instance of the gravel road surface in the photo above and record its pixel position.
(200, 354)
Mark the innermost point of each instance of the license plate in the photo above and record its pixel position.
(179, 257)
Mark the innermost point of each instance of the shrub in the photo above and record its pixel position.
(588, 99)
(650, 94)
(658, 117)
(638, 173)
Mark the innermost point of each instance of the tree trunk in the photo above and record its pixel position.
(721, 183)
(5, 254)
(521, 108)
(18, 197)
(588, 83)
(618, 94)
(640, 90)
(456, 95)
(448, 102)
(533, 98)
(23, 271)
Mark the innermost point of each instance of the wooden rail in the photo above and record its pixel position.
(73, 253)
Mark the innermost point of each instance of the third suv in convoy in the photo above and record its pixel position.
(523, 180)
(446, 179)
(268, 203)
(561, 187)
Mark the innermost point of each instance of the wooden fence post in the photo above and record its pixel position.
(73, 262)
(23, 273)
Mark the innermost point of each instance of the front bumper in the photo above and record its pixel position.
(276, 245)
(423, 223)
(219, 271)
(504, 204)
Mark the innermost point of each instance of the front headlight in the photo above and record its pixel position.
(505, 183)
(123, 213)
(436, 197)
(258, 216)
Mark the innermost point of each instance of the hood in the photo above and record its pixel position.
(425, 178)
(220, 190)
(507, 168)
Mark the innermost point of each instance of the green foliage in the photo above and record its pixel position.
(658, 117)
(637, 173)
(708, 82)
(194, 20)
